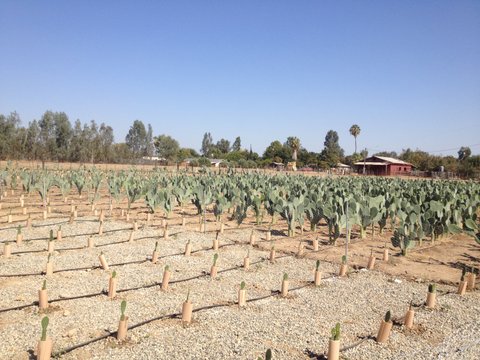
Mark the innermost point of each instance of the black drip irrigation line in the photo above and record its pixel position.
(73, 236)
(204, 274)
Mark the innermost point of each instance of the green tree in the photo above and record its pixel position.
(355, 131)
(223, 146)
(294, 144)
(207, 145)
(332, 152)
(136, 139)
(464, 153)
(237, 144)
(167, 147)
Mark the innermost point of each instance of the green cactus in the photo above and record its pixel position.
(432, 288)
(188, 296)
(51, 234)
(317, 265)
(44, 286)
(49, 257)
(242, 285)
(388, 316)
(285, 276)
(268, 354)
(44, 328)
(156, 245)
(336, 332)
(464, 271)
(215, 258)
(19, 229)
(114, 274)
(123, 306)
(167, 268)
(344, 259)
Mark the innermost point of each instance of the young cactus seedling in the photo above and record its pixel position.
(242, 285)
(114, 274)
(317, 265)
(285, 277)
(464, 271)
(156, 246)
(432, 288)
(335, 332)
(44, 285)
(44, 324)
(188, 296)
(19, 230)
(123, 307)
(344, 259)
(268, 355)
(388, 316)
(215, 258)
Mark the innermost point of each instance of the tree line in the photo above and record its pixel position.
(53, 137)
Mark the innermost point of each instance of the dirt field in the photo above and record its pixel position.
(84, 321)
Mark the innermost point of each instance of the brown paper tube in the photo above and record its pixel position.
(188, 249)
(343, 270)
(409, 319)
(242, 297)
(44, 349)
(246, 262)
(215, 244)
(315, 245)
(155, 257)
(333, 350)
(51, 247)
(122, 329)
(187, 312)
(318, 277)
(42, 299)
(371, 263)
(269, 235)
(90, 243)
(462, 288)
(284, 291)
(384, 331)
(49, 269)
(213, 271)
(7, 250)
(19, 239)
(59, 235)
(103, 262)
(112, 287)
(272, 255)
(431, 300)
(385, 255)
(166, 279)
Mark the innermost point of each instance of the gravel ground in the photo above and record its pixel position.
(296, 327)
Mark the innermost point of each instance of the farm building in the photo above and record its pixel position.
(382, 165)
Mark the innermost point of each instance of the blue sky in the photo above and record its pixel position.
(407, 72)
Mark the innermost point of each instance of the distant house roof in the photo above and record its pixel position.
(340, 165)
(381, 161)
(153, 158)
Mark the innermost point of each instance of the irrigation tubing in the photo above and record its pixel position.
(204, 274)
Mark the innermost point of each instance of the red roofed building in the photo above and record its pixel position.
(383, 166)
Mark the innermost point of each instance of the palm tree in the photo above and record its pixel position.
(355, 131)
(294, 144)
